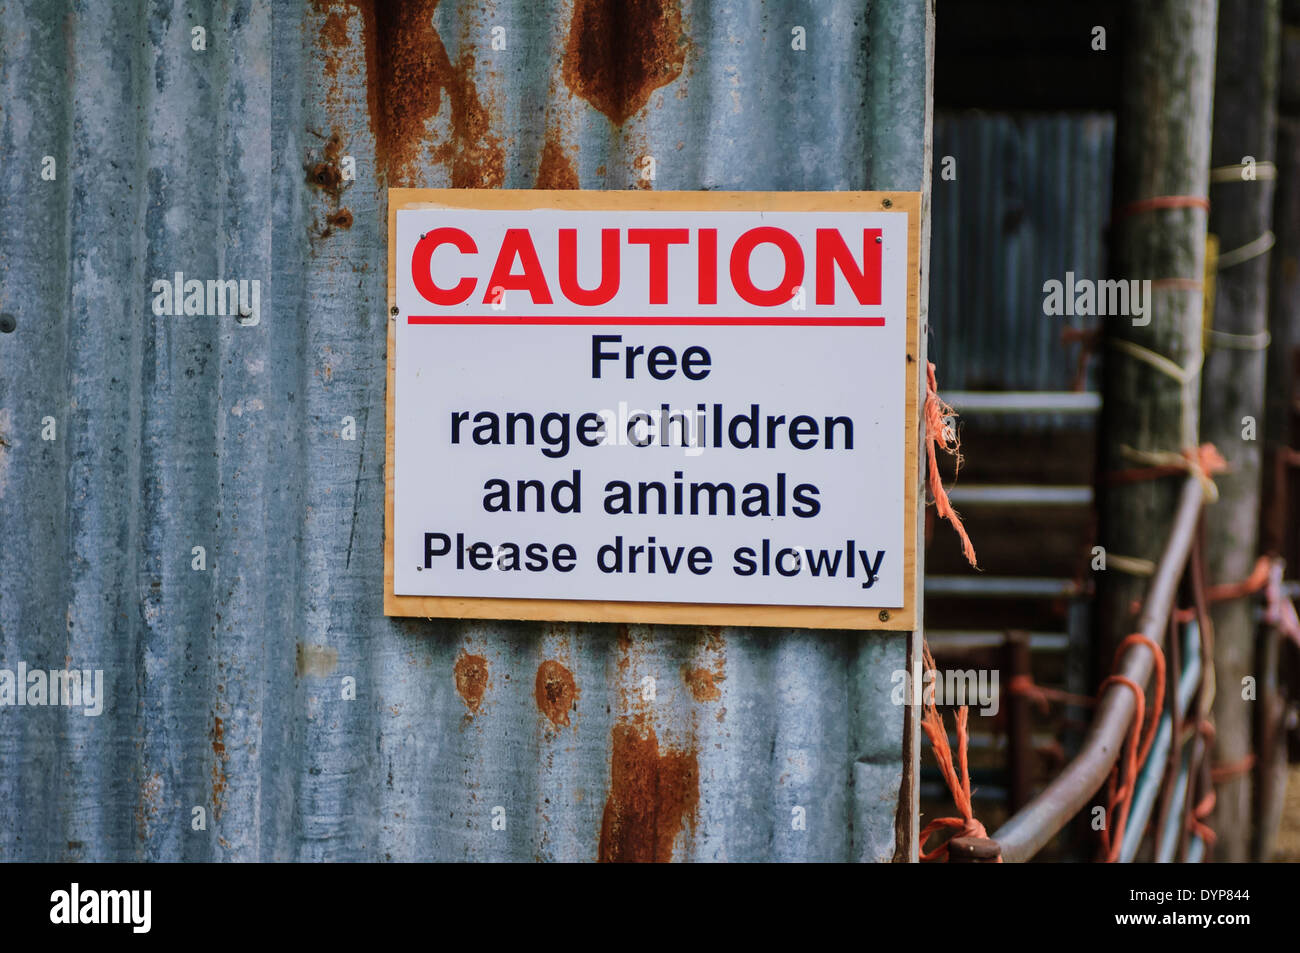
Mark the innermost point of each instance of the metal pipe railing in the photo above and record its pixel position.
(1002, 587)
(1148, 783)
(1015, 494)
(1168, 837)
(1024, 402)
(1030, 828)
(960, 641)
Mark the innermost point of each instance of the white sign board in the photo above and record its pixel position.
(693, 407)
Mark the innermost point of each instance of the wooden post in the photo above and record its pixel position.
(1232, 388)
(1151, 362)
(1281, 432)
(1017, 661)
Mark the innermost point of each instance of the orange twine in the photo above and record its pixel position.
(1231, 769)
(932, 723)
(1159, 202)
(1205, 807)
(1119, 796)
(1252, 584)
(1041, 695)
(1196, 820)
(1207, 458)
(937, 432)
(1203, 462)
(1259, 578)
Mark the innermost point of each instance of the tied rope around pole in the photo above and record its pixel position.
(1266, 576)
(1119, 796)
(1236, 172)
(1219, 773)
(1196, 822)
(1041, 695)
(1279, 612)
(1231, 769)
(940, 434)
(1201, 462)
(1257, 580)
(1158, 202)
(932, 723)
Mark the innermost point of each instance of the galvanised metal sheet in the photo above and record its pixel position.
(1029, 202)
(264, 156)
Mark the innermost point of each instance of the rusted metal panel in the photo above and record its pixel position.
(265, 156)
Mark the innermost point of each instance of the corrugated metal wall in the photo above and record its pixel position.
(225, 685)
(1030, 202)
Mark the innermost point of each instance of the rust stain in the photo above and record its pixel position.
(702, 679)
(148, 808)
(218, 767)
(327, 174)
(340, 219)
(408, 76)
(334, 37)
(555, 691)
(335, 44)
(621, 51)
(334, 146)
(555, 170)
(471, 679)
(413, 73)
(651, 796)
(703, 683)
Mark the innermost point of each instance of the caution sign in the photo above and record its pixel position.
(653, 407)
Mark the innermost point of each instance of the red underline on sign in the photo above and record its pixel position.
(652, 321)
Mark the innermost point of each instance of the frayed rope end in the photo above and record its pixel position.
(939, 434)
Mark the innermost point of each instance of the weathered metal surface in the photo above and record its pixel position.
(1029, 202)
(225, 686)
